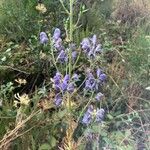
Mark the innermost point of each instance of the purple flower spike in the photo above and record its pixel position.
(100, 115)
(58, 100)
(103, 77)
(43, 38)
(70, 88)
(56, 34)
(62, 57)
(99, 96)
(87, 118)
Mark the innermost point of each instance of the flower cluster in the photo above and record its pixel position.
(90, 47)
(92, 83)
(57, 39)
(62, 85)
(22, 100)
(41, 8)
(66, 84)
(62, 54)
(91, 115)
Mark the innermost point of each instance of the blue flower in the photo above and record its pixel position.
(67, 78)
(62, 57)
(87, 118)
(91, 54)
(98, 72)
(58, 44)
(57, 78)
(56, 34)
(103, 77)
(58, 100)
(90, 47)
(100, 75)
(43, 38)
(99, 96)
(74, 55)
(85, 45)
(98, 49)
(75, 77)
(70, 88)
(64, 86)
(90, 83)
(100, 115)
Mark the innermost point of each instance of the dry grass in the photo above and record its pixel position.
(133, 12)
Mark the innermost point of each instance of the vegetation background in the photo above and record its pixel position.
(123, 28)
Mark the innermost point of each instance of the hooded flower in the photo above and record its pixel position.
(74, 55)
(62, 57)
(58, 44)
(87, 118)
(75, 77)
(100, 75)
(43, 38)
(57, 40)
(58, 100)
(56, 34)
(57, 78)
(103, 77)
(70, 88)
(100, 115)
(64, 86)
(85, 45)
(90, 83)
(98, 72)
(99, 96)
(67, 78)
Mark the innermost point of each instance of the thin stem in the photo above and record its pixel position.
(70, 34)
(71, 21)
(62, 3)
(52, 53)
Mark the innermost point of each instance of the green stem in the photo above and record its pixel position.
(70, 34)
(71, 21)
(53, 57)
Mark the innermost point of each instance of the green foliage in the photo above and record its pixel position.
(16, 18)
(40, 125)
(20, 19)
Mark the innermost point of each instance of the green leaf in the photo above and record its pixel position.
(44, 147)
(52, 141)
(110, 116)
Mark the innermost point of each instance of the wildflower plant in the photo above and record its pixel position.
(66, 56)
(78, 94)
